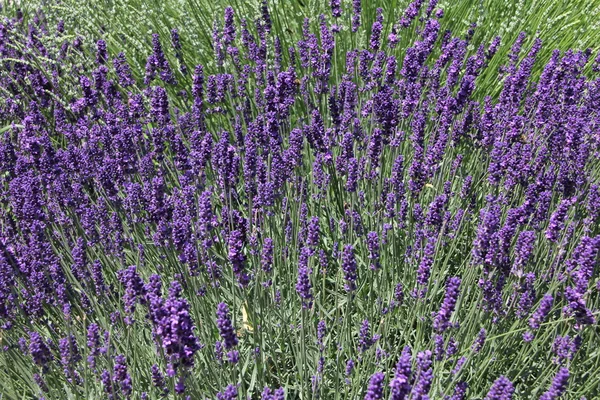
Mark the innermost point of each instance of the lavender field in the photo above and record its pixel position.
(327, 201)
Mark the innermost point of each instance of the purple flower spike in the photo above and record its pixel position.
(542, 311)
(502, 389)
(424, 376)
(230, 393)
(237, 257)
(303, 285)
(39, 350)
(557, 220)
(225, 326)
(401, 384)
(176, 329)
(559, 385)
(336, 8)
(229, 26)
(349, 267)
(376, 29)
(101, 54)
(121, 377)
(375, 389)
(479, 341)
(441, 321)
(356, 11)
(460, 391)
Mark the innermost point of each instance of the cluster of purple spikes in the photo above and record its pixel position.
(289, 179)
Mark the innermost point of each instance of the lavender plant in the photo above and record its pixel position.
(325, 218)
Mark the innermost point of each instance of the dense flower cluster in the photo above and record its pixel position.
(364, 223)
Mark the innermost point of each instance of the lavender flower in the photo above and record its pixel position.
(237, 257)
(120, 375)
(158, 379)
(176, 330)
(565, 348)
(123, 70)
(424, 269)
(230, 393)
(558, 387)
(373, 246)
(401, 383)
(441, 321)
(39, 350)
(267, 255)
(356, 11)
(460, 391)
(502, 389)
(376, 29)
(542, 311)
(336, 8)
(479, 341)
(557, 220)
(303, 285)
(101, 54)
(424, 376)
(349, 367)
(229, 27)
(270, 394)
(523, 250)
(349, 267)
(225, 326)
(375, 389)
(313, 232)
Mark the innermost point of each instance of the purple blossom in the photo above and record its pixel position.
(375, 40)
(336, 8)
(442, 319)
(411, 13)
(365, 340)
(123, 70)
(176, 328)
(229, 393)
(502, 389)
(479, 341)
(542, 311)
(121, 377)
(158, 379)
(39, 350)
(101, 53)
(559, 385)
(375, 388)
(460, 391)
(313, 236)
(237, 257)
(349, 367)
(229, 26)
(565, 348)
(225, 326)
(349, 267)
(424, 269)
(577, 307)
(303, 285)
(557, 220)
(356, 11)
(401, 383)
(267, 255)
(270, 394)
(69, 353)
(373, 247)
(423, 376)
(523, 250)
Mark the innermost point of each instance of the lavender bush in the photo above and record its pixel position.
(283, 227)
